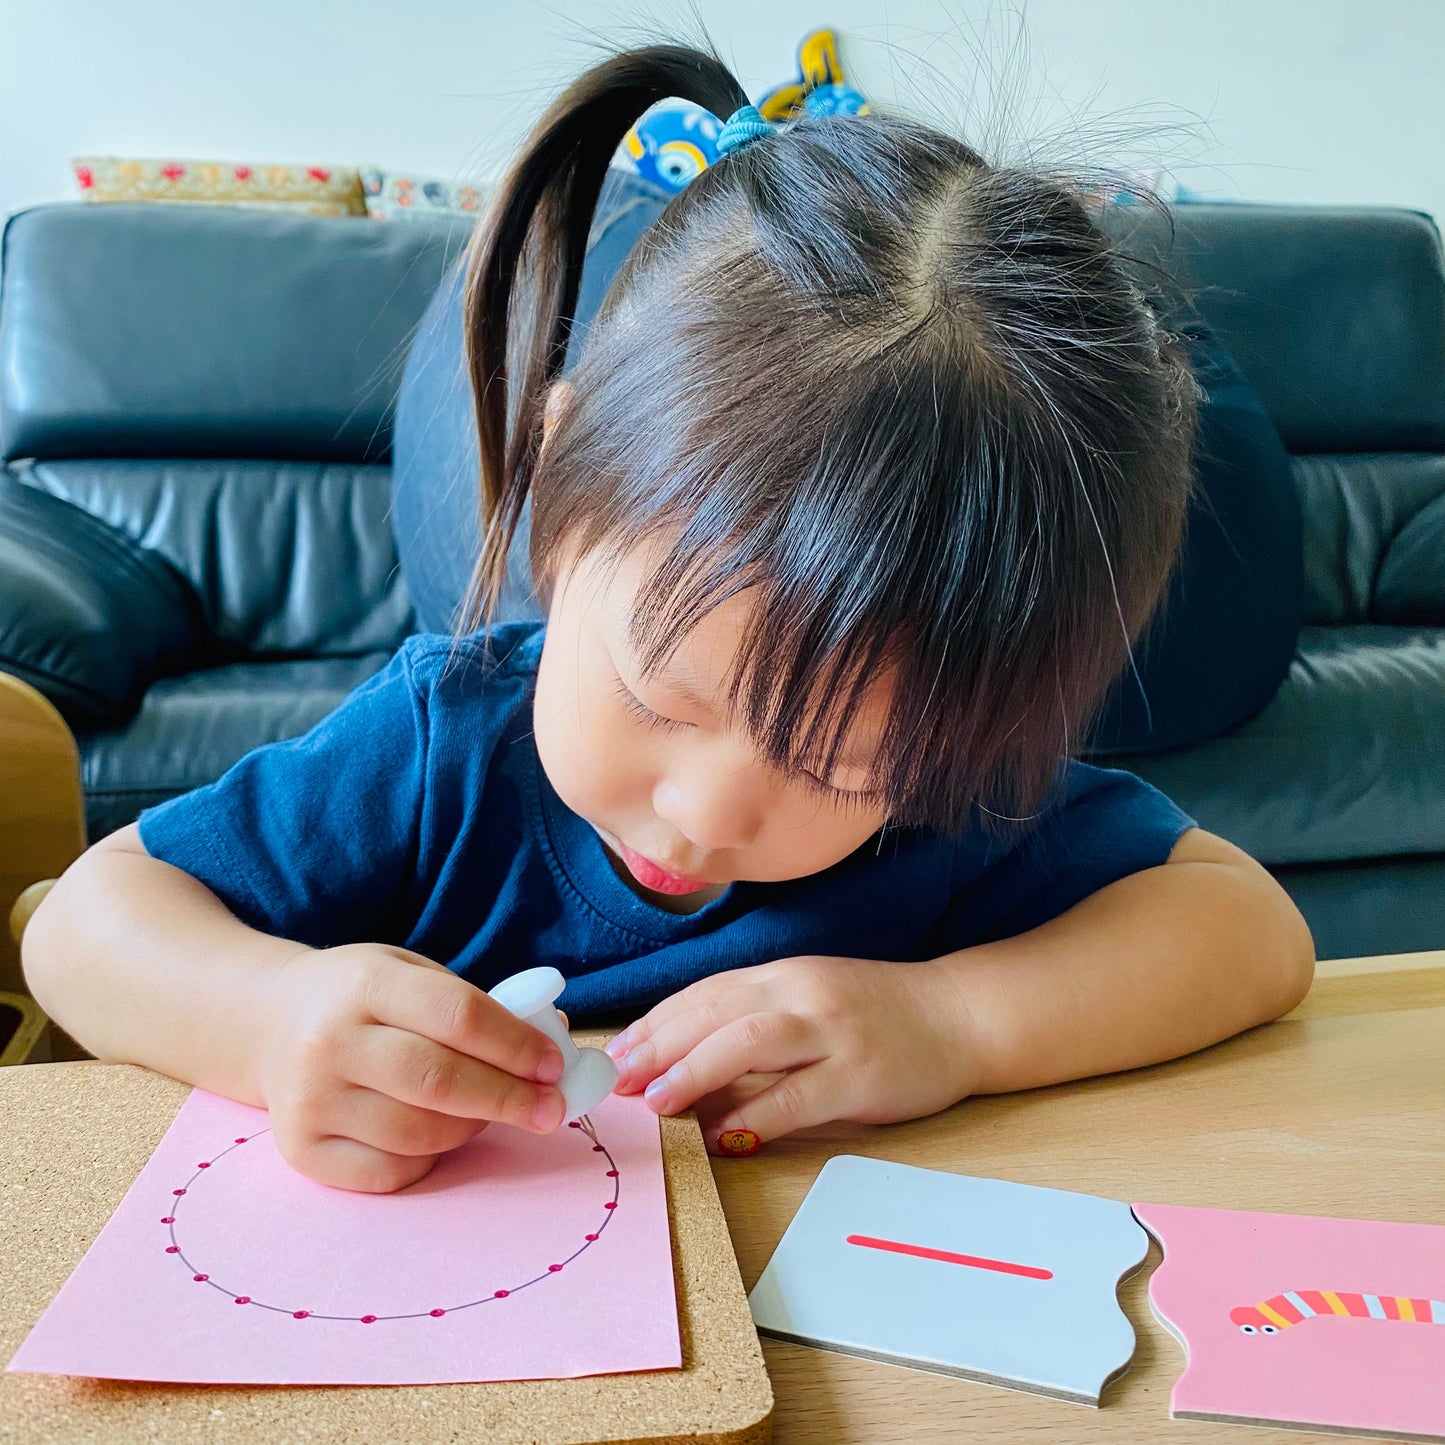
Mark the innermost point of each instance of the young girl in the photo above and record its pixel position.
(871, 467)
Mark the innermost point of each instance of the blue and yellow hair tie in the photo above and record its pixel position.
(743, 126)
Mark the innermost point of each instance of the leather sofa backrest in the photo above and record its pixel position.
(137, 341)
(1336, 315)
(218, 384)
(175, 331)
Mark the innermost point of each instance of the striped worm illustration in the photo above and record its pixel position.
(1293, 1306)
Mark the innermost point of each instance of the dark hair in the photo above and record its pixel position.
(914, 400)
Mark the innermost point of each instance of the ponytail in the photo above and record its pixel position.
(525, 264)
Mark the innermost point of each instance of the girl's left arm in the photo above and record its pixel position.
(1155, 965)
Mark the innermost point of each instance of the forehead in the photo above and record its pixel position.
(700, 665)
(701, 660)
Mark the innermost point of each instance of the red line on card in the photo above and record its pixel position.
(974, 1261)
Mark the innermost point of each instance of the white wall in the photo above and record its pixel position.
(1296, 100)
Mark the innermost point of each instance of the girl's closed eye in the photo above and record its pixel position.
(848, 800)
(645, 714)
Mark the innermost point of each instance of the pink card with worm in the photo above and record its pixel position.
(1004, 1283)
(518, 1257)
(1304, 1322)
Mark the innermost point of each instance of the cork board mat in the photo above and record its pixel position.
(73, 1139)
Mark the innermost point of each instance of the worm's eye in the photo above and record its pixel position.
(1246, 1329)
(1269, 1329)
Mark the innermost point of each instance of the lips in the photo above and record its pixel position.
(654, 876)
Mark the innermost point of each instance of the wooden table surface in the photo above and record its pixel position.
(1337, 1109)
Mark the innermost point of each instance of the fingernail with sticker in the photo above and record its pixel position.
(739, 1142)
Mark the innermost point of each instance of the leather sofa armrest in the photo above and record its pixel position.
(88, 617)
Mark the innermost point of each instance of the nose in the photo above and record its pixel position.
(714, 802)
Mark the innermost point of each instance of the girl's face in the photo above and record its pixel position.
(679, 796)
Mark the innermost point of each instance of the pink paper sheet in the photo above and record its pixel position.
(1372, 1370)
(518, 1257)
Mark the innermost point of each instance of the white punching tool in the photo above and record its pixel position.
(588, 1075)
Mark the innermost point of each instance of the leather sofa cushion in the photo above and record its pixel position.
(286, 558)
(190, 729)
(1374, 537)
(87, 617)
(1411, 586)
(1344, 763)
(236, 333)
(1374, 906)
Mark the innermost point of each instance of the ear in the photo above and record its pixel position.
(559, 398)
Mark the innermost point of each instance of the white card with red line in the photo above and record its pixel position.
(1005, 1283)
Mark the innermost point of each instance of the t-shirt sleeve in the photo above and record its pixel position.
(314, 838)
(1102, 825)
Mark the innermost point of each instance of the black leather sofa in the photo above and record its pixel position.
(195, 547)
(1337, 318)
(197, 552)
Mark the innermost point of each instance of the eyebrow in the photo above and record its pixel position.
(688, 694)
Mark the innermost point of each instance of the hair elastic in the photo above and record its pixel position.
(743, 126)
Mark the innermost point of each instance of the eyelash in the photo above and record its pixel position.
(645, 714)
(847, 801)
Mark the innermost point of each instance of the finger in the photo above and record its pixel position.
(424, 1074)
(682, 1004)
(655, 1048)
(755, 1044)
(442, 1006)
(811, 1095)
(723, 1102)
(348, 1164)
(387, 1124)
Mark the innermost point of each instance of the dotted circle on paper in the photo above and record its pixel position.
(172, 1217)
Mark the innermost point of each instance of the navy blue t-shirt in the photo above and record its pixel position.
(417, 814)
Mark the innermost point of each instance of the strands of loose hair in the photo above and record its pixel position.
(919, 409)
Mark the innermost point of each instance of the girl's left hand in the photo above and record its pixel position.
(853, 1039)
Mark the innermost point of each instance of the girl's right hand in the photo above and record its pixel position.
(377, 1060)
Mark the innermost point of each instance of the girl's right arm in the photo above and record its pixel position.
(371, 1059)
